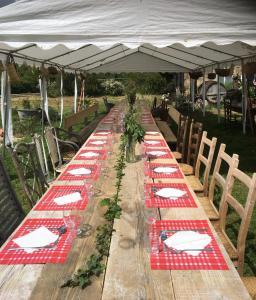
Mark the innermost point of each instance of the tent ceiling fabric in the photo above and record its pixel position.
(134, 36)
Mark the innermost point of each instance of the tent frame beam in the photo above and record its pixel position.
(196, 55)
(66, 53)
(157, 51)
(80, 60)
(220, 51)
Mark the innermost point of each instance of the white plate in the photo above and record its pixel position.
(89, 154)
(80, 171)
(157, 153)
(165, 170)
(98, 142)
(66, 199)
(188, 240)
(39, 237)
(170, 193)
(152, 142)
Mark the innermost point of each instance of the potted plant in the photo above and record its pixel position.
(250, 68)
(195, 74)
(133, 133)
(27, 112)
(211, 76)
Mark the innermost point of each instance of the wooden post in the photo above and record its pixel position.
(218, 98)
(204, 93)
(193, 92)
(244, 97)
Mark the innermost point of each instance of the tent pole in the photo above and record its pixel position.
(244, 97)
(204, 93)
(218, 98)
(193, 92)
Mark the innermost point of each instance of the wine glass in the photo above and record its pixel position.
(70, 224)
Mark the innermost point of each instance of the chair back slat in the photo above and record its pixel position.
(245, 212)
(206, 161)
(195, 135)
(182, 136)
(52, 147)
(28, 168)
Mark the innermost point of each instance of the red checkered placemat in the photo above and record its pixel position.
(56, 254)
(167, 150)
(167, 260)
(102, 154)
(149, 170)
(91, 141)
(95, 169)
(160, 143)
(153, 200)
(47, 203)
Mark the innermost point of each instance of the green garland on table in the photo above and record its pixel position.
(94, 265)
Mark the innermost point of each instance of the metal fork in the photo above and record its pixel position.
(176, 251)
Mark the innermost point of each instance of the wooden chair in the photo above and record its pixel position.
(218, 180)
(11, 213)
(107, 104)
(195, 136)
(61, 152)
(236, 253)
(181, 145)
(39, 143)
(31, 176)
(250, 284)
(203, 161)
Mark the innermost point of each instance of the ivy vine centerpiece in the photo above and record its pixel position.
(133, 134)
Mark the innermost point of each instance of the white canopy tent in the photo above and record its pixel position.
(128, 36)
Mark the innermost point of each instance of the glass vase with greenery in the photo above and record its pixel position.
(133, 134)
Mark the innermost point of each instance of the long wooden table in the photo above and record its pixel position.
(128, 274)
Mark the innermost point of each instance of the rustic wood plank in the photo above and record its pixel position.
(52, 276)
(128, 274)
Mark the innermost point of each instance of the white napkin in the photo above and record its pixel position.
(40, 237)
(66, 199)
(170, 193)
(188, 240)
(80, 171)
(152, 142)
(98, 142)
(89, 154)
(157, 153)
(152, 133)
(166, 170)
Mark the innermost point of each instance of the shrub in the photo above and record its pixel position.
(113, 87)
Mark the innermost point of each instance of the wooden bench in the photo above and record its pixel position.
(164, 126)
(81, 117)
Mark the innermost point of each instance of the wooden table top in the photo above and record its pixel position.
(128, 273)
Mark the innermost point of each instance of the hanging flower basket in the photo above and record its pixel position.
(82, 76)
(195, 74)
(12, 72)
(44, 71)
(1, 67)
(223, 72)
(211, 76)
(52, 70)
(250, 68)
